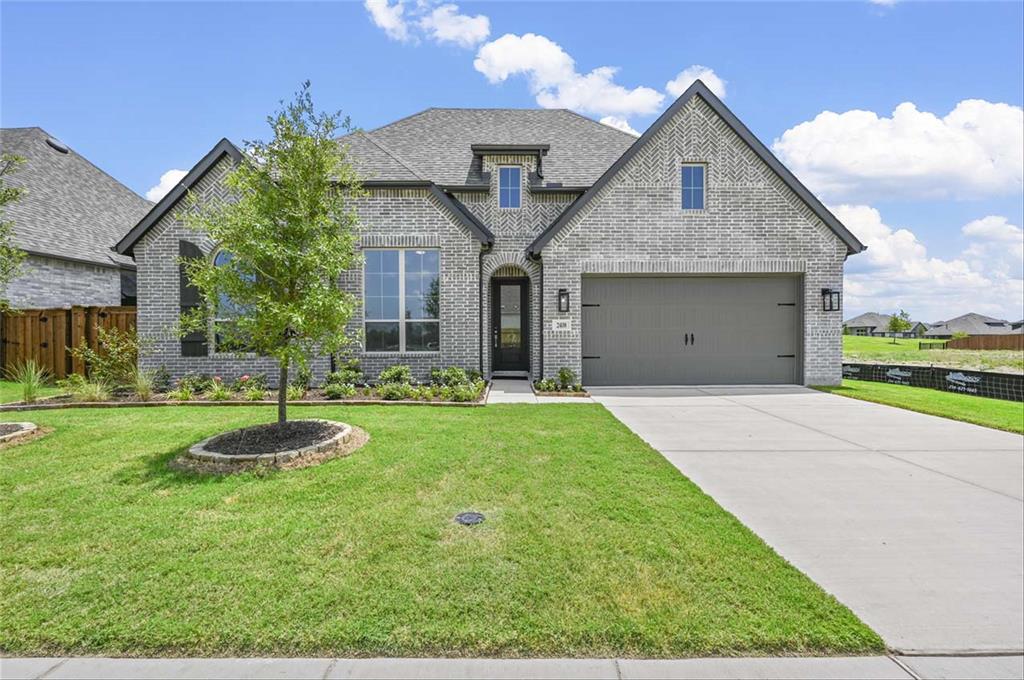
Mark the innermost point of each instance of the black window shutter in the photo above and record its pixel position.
(193, 344)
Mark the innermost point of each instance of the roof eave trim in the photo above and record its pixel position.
(698, 88)
(467, 218)
(165, 204)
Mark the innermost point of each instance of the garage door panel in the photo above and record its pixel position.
(637, 330)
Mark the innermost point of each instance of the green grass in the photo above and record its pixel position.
(594, 545)
(11, 391)
(858, 348)
(997, 413)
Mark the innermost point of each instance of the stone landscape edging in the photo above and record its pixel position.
(199, 452)
(26, 430)
(4, 408)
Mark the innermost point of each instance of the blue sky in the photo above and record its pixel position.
(145, 88)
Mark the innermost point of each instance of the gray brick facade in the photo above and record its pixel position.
(752, 223)
(46, 282)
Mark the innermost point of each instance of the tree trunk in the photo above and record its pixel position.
(282, 394)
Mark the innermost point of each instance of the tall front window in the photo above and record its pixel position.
(402, 293)
(226, 337)
(693, 187)
(509, 187)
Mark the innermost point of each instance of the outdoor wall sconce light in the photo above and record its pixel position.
(830, 301)
(563, 300)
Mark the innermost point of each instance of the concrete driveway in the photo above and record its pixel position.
(914, 522)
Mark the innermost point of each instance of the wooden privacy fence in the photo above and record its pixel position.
(45, 335)
(1013, 341)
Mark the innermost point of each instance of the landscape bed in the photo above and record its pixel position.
(592, 544)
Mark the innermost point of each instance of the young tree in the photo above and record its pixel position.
(10, 256)
(899, 323)
(287, 235)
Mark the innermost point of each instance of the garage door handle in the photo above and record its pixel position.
(691, 339)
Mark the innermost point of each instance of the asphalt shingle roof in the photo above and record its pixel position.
(972, 324)
(71, 208)
(869, 320)
(436, 144)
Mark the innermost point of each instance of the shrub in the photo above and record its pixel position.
(395, 391)
(467, 392)
(142, 385)
(423, 393)
(82, 390)
(449, 376)
(339, 390)
(218, 391)
(161, 379)
(115, 362)
(566, 378)
(399, 373)
(348, 373)
(546, 385)
(960, 335)
(196, 383)
(303, 378)
(31, 377)
(255, 392)
(295, 392)
(475, 375)
(184, 392)
(245, 382)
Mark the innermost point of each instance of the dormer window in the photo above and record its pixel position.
(693, 186)
(509, 187)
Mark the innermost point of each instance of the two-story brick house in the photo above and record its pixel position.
(521, 241)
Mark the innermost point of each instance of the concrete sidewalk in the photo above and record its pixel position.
(869, 667)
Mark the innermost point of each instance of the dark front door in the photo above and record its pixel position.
(510, 342)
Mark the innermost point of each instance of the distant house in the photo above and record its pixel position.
(877, 325)
(70, 216)
(971, 324)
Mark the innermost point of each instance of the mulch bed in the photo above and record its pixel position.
(8, 428)
(356, 440)
(273, 437)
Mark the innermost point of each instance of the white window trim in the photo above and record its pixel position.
(511, 167)
(401, 307)
(704, 187)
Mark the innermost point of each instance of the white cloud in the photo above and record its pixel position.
(554, 81)
(883, 3)
(678, 85)
(896, 271)
(389, 17)
(976, 150)
(168, 181)
(620, 124)
(445, 24)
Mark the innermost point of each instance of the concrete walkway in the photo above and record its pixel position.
(511, 391)
(898, 668)
(914, 522)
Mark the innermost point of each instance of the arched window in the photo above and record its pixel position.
(226, 337)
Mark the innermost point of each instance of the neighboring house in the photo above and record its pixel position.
(971, 324)
(518, 242)
(877, 325)
(68, 221)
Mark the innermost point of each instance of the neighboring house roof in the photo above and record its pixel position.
(71, 209)
(225, 148)
(972, 324)
(869, 320)
(699, 89)
(438, 144)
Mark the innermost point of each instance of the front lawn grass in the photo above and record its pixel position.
(594, 545)
(11, 391)
(862, 348)
(997, 413)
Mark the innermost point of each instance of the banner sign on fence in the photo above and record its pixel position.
(978, 383)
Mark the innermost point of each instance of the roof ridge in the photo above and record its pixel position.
(401, 120)
(597, 122)
(398, 159)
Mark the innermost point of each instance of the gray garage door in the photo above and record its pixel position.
(691, 330)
